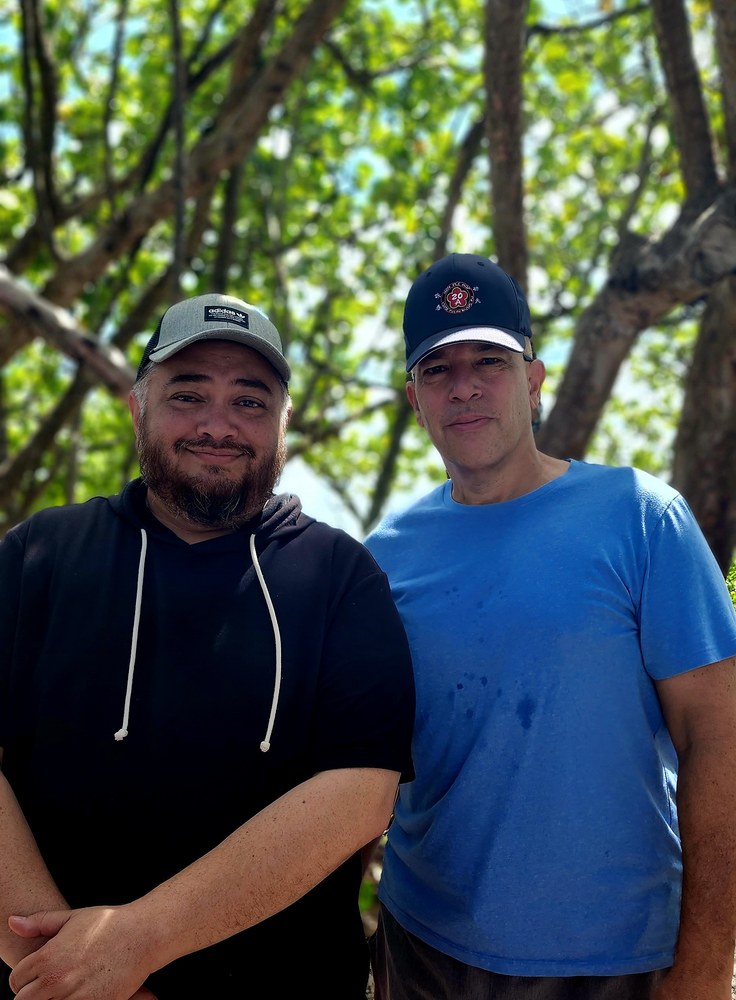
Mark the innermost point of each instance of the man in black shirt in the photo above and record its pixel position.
(206, 701)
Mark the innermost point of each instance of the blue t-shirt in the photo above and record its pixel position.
(540, 835)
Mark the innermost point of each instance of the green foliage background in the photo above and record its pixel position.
(340, 207)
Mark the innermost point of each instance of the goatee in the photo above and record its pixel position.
(213, 498)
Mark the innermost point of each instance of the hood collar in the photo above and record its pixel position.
(281, 516)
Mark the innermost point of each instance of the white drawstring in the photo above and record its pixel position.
(123, 731)
(266, 744)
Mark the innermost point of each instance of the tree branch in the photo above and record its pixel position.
(319, 431)
(204, 37)
(689, 116)
(227, 230)
(232, 140)
(725, 17)
(26, 247)
(178, 88)
(541, 28)
(647, 284)
(364, 78)
(504, 37)
(387, 474)
(39, 317)
(642, 175)
(703, 468)
(463, 165)
(112, 90)
(39, 123)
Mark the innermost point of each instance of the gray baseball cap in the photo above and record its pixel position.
(215, 317)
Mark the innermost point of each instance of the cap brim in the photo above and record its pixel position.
(271, 355)
(478, 334)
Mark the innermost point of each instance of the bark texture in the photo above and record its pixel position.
(689, 117)
(646, 284)
(704, 469)
(725, 18)
(648, 278)
(39, 317)
(505, 31)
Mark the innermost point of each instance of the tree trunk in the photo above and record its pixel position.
(505, 31)
(704, 469)
(643, 288)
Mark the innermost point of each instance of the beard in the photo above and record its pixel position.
(213, 498)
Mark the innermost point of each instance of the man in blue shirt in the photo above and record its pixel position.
(573, 642)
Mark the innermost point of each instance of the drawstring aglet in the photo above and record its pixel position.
(121, 734)
(265, 746)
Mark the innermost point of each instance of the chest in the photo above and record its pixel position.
(204, 653)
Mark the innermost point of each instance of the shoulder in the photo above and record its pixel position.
(345, 553)
(398, 528)
(56, 523)
(626, 488)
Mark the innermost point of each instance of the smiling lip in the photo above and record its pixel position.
(470, 423)
(216, 457)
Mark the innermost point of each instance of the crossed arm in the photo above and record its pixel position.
(106, 953)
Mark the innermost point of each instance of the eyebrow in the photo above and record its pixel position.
(246, 383)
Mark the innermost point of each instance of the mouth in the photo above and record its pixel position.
(470, 422)
(216, 457)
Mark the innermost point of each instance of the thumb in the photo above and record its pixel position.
(44, 924)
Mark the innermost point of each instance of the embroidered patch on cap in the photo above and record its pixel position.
(226, 314)
(457, 297)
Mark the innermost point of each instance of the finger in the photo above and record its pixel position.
(35, 991)
(45, 924)
(24, 973)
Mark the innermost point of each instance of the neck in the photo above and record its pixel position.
(517, 474)
(183, 528)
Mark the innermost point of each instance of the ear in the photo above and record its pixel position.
(289, 411)
(536, 373)
(135, 411)
(411, 395)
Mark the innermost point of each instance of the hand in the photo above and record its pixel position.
(683, 986)
(100, 953)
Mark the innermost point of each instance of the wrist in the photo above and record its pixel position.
(148, 933)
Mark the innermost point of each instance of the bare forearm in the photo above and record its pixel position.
(268, 863)
(705, 802)
(25, 883)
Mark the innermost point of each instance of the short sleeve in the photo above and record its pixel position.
(364, 712)
(11, 567)
(686, 615)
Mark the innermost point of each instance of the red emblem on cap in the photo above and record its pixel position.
(457, 297)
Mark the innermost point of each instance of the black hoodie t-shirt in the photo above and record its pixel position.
(113, 818)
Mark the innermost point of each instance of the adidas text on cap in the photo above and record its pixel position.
(215, 317)
(464, 298)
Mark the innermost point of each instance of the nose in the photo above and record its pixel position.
(216, 422)
(466, 386)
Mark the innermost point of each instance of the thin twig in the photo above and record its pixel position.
(541, 28)
(179, 85)
(111, 91)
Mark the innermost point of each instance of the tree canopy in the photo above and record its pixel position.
(315, 156)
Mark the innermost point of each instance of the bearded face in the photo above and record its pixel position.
(216, 497)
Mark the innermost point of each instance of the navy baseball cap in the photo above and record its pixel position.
(464, 298)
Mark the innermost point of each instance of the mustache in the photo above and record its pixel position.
(227, 447)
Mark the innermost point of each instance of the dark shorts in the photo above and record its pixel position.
(405, 968)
